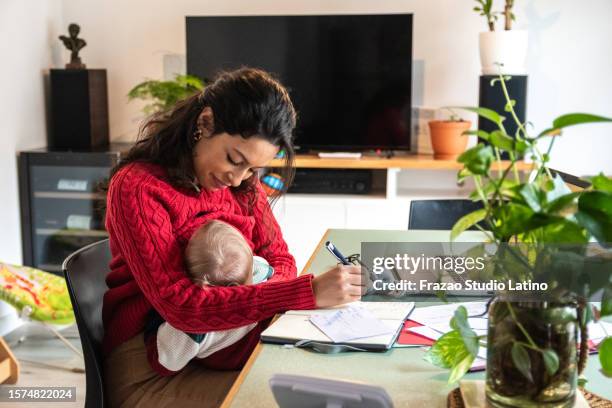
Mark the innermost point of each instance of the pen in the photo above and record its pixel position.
(334, 251)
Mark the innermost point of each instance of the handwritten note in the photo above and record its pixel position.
(353, 322)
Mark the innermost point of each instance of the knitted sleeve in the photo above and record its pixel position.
(140, 223)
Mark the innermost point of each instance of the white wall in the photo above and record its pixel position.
(28, 37)
(27, 31)
(569, 58)
(569, 64)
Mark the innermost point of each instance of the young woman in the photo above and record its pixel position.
(199, 160)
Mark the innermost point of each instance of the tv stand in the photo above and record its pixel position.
(389, 165)
(396, 181)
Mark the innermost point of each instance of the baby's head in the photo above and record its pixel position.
(217, 254)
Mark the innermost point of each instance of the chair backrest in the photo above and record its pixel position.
(85, 271)
(439, 214)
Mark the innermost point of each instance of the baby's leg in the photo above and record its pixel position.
(218, 340)
(172, 349)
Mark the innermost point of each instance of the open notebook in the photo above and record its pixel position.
(295, 325)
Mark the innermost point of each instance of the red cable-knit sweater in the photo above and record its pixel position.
(149, 223)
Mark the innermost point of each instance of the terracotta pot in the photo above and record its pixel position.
(447, 139)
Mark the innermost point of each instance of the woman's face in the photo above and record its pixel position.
(225, 160)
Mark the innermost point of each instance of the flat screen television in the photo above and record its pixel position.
(349, 76)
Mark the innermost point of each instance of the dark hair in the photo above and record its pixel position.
(246, 102)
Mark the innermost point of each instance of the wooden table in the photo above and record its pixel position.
(409, 380)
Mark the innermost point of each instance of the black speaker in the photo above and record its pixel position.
(492, 97)
(79, 109)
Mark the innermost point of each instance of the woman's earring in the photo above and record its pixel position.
(197, 135)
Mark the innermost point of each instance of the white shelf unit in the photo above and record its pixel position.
(304, 218)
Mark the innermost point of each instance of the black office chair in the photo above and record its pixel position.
(439, 214)
(85, 271)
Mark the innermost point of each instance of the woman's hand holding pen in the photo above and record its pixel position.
(341, 284)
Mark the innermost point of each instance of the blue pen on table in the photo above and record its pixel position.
(337, 254)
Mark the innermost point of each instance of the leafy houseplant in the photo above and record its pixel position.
(164, 94)
(485, 9)
(447, 139)
(532, 343)
(507, 47)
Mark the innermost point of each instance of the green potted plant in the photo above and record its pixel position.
(447, 137)
(533, 354)
(507, 47)
(162, 95)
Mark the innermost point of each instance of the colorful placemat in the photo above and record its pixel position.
(43, 293)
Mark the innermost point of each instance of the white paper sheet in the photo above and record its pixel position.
(350, 323)
(438, 317)
(599, 330)
(426, 332)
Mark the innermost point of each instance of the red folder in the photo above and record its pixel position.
(409, 338)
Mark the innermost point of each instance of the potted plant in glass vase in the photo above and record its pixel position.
(507, 47)
(543, 232)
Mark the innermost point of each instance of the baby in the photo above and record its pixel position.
(217, 255)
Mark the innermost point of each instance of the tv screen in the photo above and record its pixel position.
(349, 76)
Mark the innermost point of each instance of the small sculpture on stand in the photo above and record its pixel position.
(81, 123)
(74, 44)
